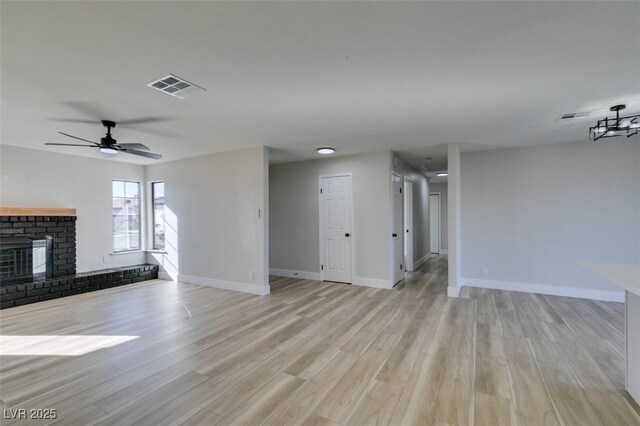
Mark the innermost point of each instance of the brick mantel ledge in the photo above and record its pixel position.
(36, 211)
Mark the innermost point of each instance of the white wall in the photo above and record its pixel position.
(441, 187)
(533, 215)
(454, 220)
(294, 213)
(37, 178)
(421, 189)
(213, 233)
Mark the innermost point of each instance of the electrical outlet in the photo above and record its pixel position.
(250, 275)
(484, 271)
(105, 259)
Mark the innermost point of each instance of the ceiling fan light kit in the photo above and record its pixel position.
(619, 126)
(109, 146)
(108, 150)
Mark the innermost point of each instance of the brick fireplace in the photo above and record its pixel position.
(60, 229)
(38, 259)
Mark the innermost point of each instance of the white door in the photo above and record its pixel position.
(434, 222)
(336, 208)
(397, 230)
(408, 225)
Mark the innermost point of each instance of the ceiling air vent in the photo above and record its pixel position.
(175, 86)
(573, 115)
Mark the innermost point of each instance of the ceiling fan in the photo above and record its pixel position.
(108, 145)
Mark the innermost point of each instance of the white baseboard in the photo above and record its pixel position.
(225, 285)
(582, 293)
(444, 251)
(418, 263)
(304, 275)
(372, 282)
(453, 291)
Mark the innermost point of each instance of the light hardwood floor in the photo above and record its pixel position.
(317, 354)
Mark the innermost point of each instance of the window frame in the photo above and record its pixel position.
(153, 215)
(139, 215)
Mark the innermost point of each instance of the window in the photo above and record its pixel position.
(126, 216)
(157, 196)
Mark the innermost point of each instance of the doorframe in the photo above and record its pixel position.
(408, 202)
(439, 194)
(321, 223)
(392, 267)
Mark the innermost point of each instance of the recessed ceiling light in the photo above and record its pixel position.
(175, 86)
(442, 174)
(325, 150)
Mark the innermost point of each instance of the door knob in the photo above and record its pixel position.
(407, 231)
(347, 234)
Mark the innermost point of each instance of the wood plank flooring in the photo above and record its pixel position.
(312, 353)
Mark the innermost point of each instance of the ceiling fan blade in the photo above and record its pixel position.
(133, 146)
(73, 120)
(71, 144)
(88, 109)
(75, 137)
(142, 120)
(142, 153)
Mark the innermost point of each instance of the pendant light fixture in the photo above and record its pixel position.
(619, 126)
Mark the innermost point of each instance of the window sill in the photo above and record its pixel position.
(118, 253)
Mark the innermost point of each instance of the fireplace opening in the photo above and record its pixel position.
(25, 259)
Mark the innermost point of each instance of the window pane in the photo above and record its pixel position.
(158, 189)
(119, 206)
(126, 216)
(119, 224)
(158, 242)
(118, 188)
(126, 206)
(133, 224)
(134, 242)
(119, 243)
(132, 189)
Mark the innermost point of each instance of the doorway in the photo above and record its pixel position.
(408, 224)
(336, 224)
(434, 222)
